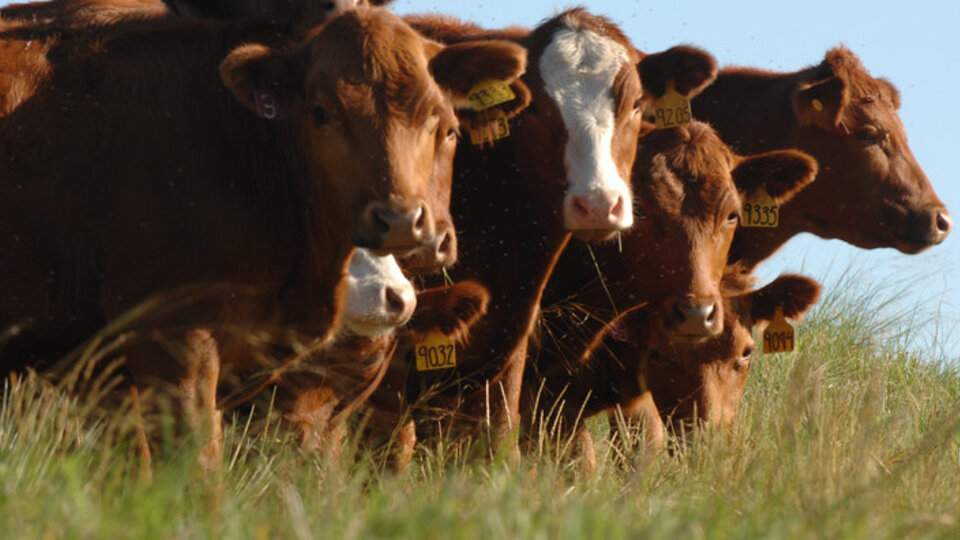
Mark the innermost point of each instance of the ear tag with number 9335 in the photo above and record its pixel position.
(436, 351)
(778, 335)
(489, 93)
(488, 127)
(672, 109)
(760, 210)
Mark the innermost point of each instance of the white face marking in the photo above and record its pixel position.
(578, 69)
(367, 311)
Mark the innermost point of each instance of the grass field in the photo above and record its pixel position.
(852, 436)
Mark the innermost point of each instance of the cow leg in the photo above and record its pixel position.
(311, 413)
(505, 405)
(641, 413)
(585, 449)
(198, 390)
(405, 443)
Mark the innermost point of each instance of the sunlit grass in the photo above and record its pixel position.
(854, 435)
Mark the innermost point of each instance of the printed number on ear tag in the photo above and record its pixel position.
(490, 93)
(436, 351)
(672, 109)
(489, 126)
(760, 210)
(778, 335)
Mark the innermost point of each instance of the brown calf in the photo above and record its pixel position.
(870, 191)
(157, 178)
(563, 168)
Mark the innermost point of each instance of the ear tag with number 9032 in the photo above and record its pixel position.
(672, 109)
(488, 127)
(436, 351)
(490, 93)
(778, 335)
(760, 210)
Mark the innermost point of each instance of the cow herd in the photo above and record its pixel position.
(431, 222)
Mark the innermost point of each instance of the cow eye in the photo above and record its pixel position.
(747, 352)
(453, 133)
(637, 106)
(320, 116)
(733, 217)
(870, 135)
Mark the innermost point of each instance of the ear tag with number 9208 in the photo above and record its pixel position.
(778, 335)
(672, 109)
(436, 351)
(760, 210)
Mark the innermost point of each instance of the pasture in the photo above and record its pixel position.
(850, 436)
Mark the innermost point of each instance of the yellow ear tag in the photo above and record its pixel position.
(672, 109)
(489, 93)
(817, 106)
(778, 335)
(436, 351)
(760, 210)
(489, 126)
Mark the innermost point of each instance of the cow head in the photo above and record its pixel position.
(586, 111)
(379, 297)
(372, 105)
(871, 192)
(705, 381)
(451, 309)
(689, 187)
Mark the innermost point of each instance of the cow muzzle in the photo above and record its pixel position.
(924, 228)
(597, 214)
(395, 228)
(691, 319)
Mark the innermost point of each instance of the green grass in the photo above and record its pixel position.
(855, 435)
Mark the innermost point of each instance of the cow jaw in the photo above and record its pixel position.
(578, 69)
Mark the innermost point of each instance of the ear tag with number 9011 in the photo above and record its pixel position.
(672, 109)
(436, 351)
(760, 210)
(490, 93)
(778, 335)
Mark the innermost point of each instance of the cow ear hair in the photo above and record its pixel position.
(459, 67)
(691, 70)
(267, 81)
(794, 293)
(782, 172)
(821, 104)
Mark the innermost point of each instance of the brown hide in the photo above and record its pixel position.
(75, 13)
(689, 187)
(870, 191)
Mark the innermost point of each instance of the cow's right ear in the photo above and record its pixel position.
(458, 68)
(821, 104)
(783, 173)
(267, 81)
(691, 70)
(794, 293)
(452, 309)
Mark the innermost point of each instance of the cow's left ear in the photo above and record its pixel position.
(460, 67)
(691, 70)
(267, 81)
(782, 172)
(452, 309)
(794, 293)
(821, 104)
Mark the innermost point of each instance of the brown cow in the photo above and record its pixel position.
(563, 168)
(689, 187)
(124, 178)
(634, 367)
(870, 191)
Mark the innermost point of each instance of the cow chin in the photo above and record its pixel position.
(595, 235)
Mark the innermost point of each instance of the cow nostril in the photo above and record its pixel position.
(419, 219)
(944, 223)
(446, 244)
(380, 223)
(394, 300)
(678, 315)
(712, 313)
(580, 206)
(616, 211)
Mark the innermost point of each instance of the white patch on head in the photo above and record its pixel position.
(367, 310)
(578, 69)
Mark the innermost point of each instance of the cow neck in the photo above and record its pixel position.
(752, 112)
(510, 240)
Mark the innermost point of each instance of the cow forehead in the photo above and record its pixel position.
(578, 68)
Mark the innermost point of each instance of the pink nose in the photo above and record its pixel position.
(595, 211)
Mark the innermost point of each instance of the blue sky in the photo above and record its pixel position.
(914, 44)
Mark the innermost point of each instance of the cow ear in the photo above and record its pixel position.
(267, 81)
(782, 172)
(794, 293)
(451, 309)
(458, 68)
(821, 104)
(691, 70)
